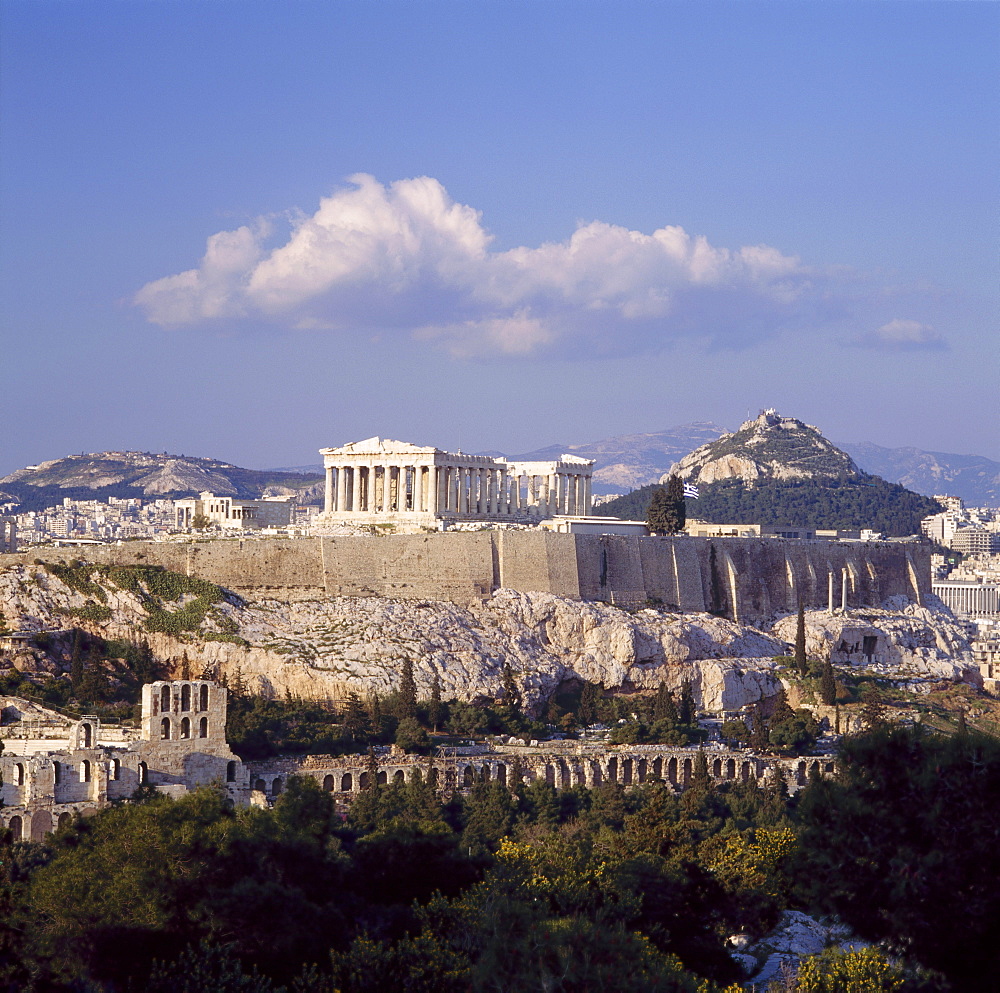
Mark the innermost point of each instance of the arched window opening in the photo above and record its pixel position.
(84, 771)
(258, 785)
(143, 773)
(165, 698)
(203, 728)
(185, 727)
(346, 783)
(165, 729)
(203, 698)
(87, 736)
(115, 771)
(469, 776)
(230, 772)
(398, 777)
(328, 783)
(16, 826)
(185, 697)
(382, 779)
(276, 786)
(65, 820)
(18, 774)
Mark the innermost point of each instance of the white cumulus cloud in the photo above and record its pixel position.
(902, 335)
(406, 257)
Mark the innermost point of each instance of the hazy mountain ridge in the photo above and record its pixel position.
(974, 478)
(148, 475)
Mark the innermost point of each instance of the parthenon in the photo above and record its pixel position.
(379, 480)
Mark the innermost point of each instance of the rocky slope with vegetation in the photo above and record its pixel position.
(324, 649)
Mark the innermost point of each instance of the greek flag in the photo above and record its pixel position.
(691, 491)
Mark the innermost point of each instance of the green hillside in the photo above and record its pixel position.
(846, 502)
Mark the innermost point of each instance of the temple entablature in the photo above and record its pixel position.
(384, 481)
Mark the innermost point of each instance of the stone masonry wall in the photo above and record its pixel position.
(745, 579)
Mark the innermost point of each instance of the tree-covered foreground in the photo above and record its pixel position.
(521, 890)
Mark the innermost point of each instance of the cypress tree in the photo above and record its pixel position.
(407, 691)
(372, 770)
(686, 712)
(800, 641)
(758, 734)
(436, 708)
(675, 500)
(664, 708)
(658, 518)
(587, 713)
(828, 685)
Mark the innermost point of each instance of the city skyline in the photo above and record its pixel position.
(249, 232)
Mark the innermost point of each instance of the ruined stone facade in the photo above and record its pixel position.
(183, 746)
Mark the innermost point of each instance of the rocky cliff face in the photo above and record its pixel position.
(326, 647)
(769, 447)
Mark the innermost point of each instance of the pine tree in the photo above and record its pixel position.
(872, 711)
(800, 641)
(356, 718)
(782, 709)
(758, 734)
(436, 708)
(828, 685)
(407, 691)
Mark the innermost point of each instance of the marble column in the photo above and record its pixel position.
(586, 496)
(463, 490)
(328, 492)
(504, 493)
(341, 488)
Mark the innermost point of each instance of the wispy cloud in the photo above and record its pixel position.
(406, 257)
(902, 336)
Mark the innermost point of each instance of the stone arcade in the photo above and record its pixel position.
(183, 746)
(378, 481)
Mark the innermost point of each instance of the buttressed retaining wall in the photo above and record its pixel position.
(747, 579)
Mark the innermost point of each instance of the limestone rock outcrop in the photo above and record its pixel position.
(327, 647)
(902, 638)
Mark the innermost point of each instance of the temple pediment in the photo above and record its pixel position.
(378, 446)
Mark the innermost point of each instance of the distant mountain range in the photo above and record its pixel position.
(100, 475)
(622, 463)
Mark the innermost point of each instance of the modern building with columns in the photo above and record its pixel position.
(382, 481)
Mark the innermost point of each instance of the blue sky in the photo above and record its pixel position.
(249, 230)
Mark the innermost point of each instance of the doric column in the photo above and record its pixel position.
(493, 484)
(463, 490)
(341, 488)
(504, 492)
(552, 509)
(476, 498)
(431, 505)
(543, 495)
(586, 495)
(328, 492)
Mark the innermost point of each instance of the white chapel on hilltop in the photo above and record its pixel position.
(383, 481)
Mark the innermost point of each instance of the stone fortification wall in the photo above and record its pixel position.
(745, 579)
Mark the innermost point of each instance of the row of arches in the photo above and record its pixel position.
(563, 772)
(36, 825)
(184, 728)
(197, 695)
